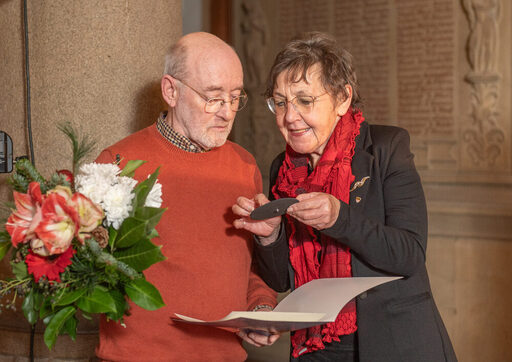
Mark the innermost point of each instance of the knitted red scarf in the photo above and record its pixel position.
(332, 175)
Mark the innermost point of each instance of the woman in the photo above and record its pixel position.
(361, 212)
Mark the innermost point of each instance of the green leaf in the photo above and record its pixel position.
(5, 243)
(99, 301)
(153, 234)
(28, 307)
(130, 167)
(151, 215)
(66, 297)
(142, 189)
(141, 256)
(144, 294)
(20, 270)
(121, 305)
(39, 300)
(130, 232)
(48, 318)
(53, 328)
(70, 327)
(112, 234)
(45, 311)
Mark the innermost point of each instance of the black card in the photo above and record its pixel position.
(273, 208)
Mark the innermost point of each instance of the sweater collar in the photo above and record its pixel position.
(174, 137)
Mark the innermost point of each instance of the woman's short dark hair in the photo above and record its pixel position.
(309, 49)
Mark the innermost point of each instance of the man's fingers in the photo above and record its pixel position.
(240, 211)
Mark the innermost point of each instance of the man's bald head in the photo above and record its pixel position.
(192, 50)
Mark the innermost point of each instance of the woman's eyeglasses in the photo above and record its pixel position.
(301, 104)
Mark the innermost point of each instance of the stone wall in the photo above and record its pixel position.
(441, 69)
(96, 64)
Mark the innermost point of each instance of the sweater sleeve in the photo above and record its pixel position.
(105, 156)
(258, 293)
(397, 245)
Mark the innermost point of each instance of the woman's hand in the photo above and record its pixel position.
(267, 230)
(316, 209)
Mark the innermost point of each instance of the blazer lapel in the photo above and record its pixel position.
(362, 165)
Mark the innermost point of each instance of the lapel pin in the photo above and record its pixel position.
(359, 183)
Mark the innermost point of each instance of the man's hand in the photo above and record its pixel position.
(316, 209)
(259, 337)
(267, 229)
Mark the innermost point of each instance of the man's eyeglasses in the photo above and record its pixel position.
(213, 105)
(301, 104)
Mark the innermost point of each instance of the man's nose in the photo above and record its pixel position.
(226, 112)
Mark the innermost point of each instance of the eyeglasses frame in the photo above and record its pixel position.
(242, 96)
(314, 98)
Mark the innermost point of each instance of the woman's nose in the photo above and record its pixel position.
(291, 113)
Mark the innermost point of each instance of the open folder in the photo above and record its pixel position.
(316, 302)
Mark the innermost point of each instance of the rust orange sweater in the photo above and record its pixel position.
(207, 273)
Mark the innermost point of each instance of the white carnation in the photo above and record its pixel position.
(102, 184)
(154, 198)
(117, 203)
(95, 180)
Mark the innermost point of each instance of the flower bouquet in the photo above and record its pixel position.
(80, 242)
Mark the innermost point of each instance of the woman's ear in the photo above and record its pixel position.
(344, 103)
(169, 90)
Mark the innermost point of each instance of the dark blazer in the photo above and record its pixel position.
(385, 227)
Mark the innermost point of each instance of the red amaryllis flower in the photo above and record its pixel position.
(26, 217)
(50, 266)
(59, 223)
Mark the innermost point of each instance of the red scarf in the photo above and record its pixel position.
(332, 175)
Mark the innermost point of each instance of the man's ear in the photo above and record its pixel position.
(344, 103)
(169, 90)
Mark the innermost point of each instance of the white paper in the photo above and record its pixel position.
(316, 302)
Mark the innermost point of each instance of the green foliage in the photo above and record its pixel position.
(82, 146)
(130, 167)
(55, 325)
(29, 307)
(19, 270)
(65, 297)
(141, 256)
(131, 231)
(57, 179)
(143, 188)
(144, 294)
(5, 243)
(25, 173)
(98, 301)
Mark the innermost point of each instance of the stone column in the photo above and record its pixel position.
(96, 64)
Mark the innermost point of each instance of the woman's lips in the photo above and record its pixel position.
(298, 132)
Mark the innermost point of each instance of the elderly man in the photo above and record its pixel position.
(207, 273)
